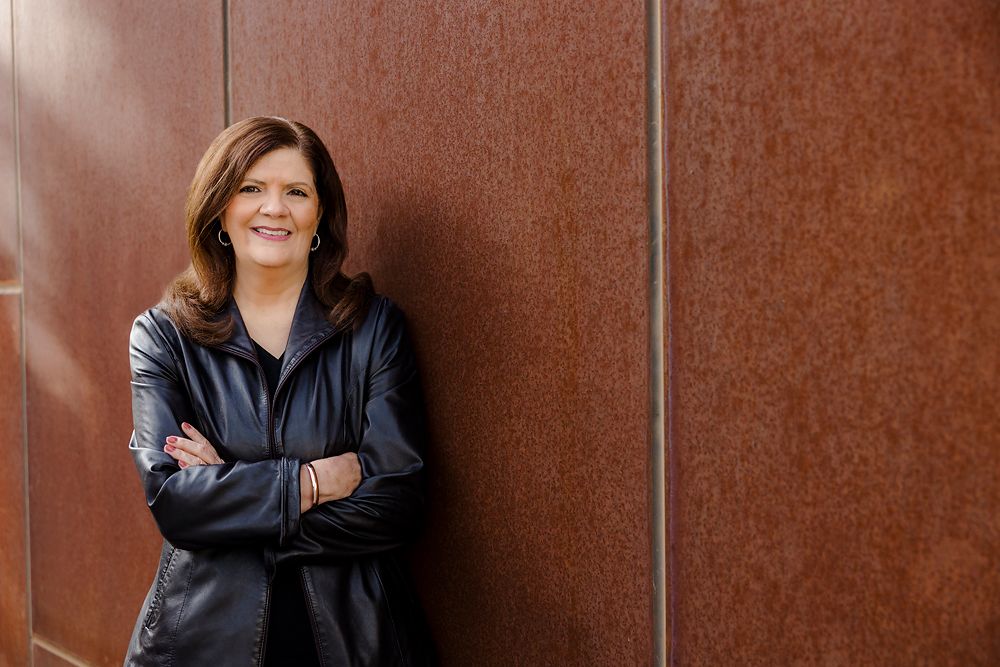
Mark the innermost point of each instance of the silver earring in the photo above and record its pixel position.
(312, 248)
(220, 238)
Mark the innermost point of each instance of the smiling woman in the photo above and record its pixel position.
(279, 427)
(272, 220)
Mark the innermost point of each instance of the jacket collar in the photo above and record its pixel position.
(309, 325)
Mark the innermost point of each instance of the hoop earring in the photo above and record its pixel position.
(312, 248)
(223, 242)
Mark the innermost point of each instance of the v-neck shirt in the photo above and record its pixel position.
(289, 633)
(271, 364)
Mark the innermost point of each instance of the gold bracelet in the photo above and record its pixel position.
(315, 484)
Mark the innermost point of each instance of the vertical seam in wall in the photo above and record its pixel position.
(23, 340)
(672, 485)
(227, 92)
(654, 179)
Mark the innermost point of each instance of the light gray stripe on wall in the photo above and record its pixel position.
(227, 93)
(657, 458)
(24, 351)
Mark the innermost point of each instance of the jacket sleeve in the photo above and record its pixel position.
(385, 509)
(226, 504)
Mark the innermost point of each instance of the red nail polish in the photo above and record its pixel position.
(183, 465)
(185, 425)
(171, 438)
(169, 448)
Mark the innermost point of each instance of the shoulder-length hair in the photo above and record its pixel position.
(196, 297)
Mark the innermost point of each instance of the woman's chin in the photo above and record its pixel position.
(275, 260)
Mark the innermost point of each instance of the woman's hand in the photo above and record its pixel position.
(195, 450)
(337, 477)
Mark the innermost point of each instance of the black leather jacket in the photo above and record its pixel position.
(227, 526)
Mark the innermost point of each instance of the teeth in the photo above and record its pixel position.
(272, 233)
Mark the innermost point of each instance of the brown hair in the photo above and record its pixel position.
(196, 297)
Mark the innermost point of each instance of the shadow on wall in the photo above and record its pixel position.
(481, 354)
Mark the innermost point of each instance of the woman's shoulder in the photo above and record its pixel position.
(385, 331)
(382, 306)
(384, 317)
(153, 327)
(151, 346)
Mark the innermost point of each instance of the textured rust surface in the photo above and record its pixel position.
(117, 104)
(13, 548)
(43, 657)
(13, 573)
(8, 182)
(493, 160)
(833, 199)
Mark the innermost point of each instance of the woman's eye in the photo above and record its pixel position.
(299, 193)
(248, 188)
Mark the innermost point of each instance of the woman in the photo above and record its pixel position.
(279, 427)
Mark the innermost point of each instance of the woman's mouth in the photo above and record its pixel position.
(271, 233)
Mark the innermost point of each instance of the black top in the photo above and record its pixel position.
(289, 634)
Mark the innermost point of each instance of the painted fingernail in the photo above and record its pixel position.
(183, 465)
(185, 425)
(171, 438)
(169, 448)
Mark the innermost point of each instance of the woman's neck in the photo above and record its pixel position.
(264, 288)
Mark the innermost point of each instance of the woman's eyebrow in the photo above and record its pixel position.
(297, 183)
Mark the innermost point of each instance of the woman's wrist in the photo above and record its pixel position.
(336, 478)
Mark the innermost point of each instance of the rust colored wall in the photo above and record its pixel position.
(496, 189)
(116, 104)
(833, 300)
(835, 292)
(8, 167)
(13, 584)
(13, 545)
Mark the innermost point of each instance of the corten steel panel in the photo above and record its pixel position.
(43, 657)
(8, 181)
(833, 199)
(13, 568)
(117, 103)
(494, 164)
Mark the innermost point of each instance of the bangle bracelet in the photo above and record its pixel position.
(315, 484)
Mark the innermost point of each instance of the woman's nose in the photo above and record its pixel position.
(273, 205)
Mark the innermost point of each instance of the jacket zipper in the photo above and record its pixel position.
(270, 429)
(267, 398)
(271, 452)
(271, 449)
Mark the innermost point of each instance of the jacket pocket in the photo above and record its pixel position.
(153, 613)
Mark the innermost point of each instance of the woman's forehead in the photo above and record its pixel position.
(281, 164)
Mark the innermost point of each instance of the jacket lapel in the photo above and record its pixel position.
(309, 327)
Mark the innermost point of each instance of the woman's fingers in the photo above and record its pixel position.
(204, 450)
(194, 434)
(183, 450)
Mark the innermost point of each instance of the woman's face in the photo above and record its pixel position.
(273, 215)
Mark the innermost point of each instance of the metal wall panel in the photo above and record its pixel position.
(42, 656)
(13, 573)
(494, 163)
(117, 103)
(8, 176)
(13, 548)
(835, 301)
